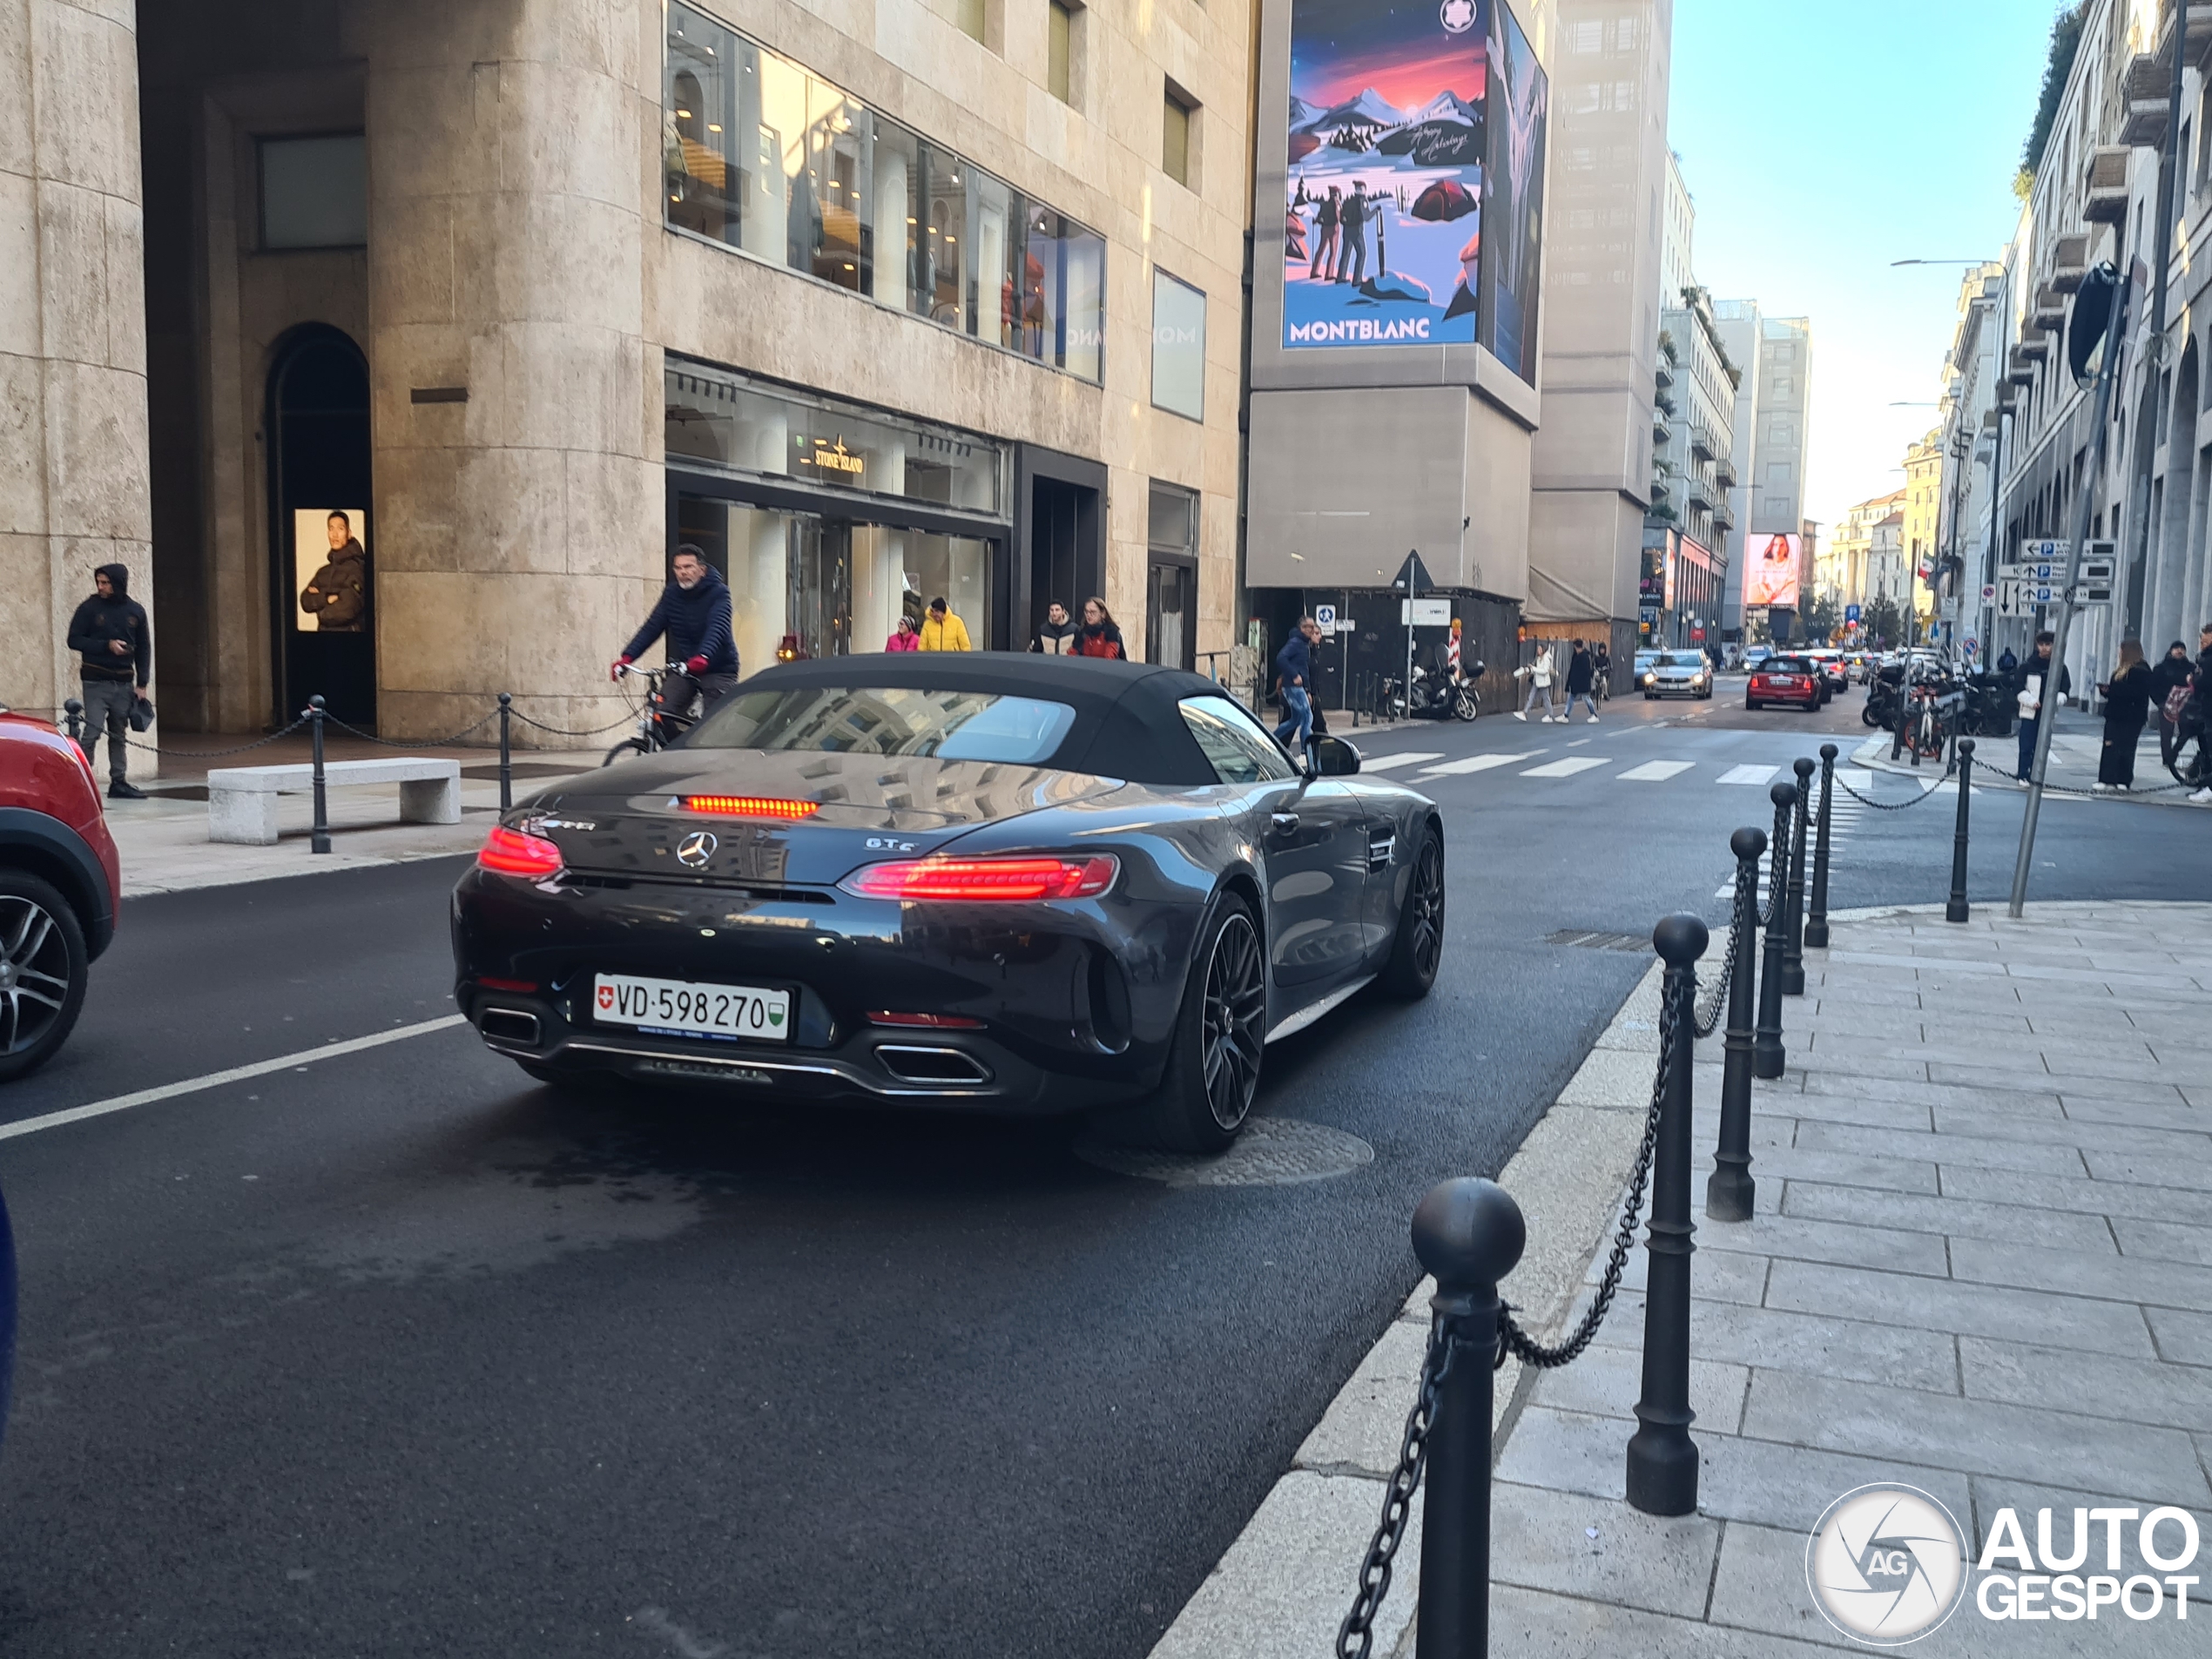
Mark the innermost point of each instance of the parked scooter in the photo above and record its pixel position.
(1437, 696)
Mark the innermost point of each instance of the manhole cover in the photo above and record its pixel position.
(1579, 938)
(1271, 1152)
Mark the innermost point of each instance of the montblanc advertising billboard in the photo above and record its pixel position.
(1415, 179)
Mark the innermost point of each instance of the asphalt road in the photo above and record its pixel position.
(396, 1352)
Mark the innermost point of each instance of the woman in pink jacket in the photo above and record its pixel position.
(904, 637)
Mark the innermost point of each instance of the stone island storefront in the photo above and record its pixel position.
(832, 521)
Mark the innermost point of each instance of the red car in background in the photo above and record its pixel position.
(1786, 680)
(61, 887)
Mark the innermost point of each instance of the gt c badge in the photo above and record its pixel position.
(695, 849)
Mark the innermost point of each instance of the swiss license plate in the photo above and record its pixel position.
(693, 1009)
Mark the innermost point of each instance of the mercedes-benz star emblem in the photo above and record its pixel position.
(695, 849)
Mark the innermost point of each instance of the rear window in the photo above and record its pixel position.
(890, 720)
(1788, 665)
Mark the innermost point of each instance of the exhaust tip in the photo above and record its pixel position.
(509, 1025)
(932, 1066)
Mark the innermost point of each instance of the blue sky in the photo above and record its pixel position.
(1822, 141)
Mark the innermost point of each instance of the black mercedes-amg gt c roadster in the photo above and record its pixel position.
(1001, 883)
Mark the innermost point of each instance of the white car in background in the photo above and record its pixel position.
(1677, 673)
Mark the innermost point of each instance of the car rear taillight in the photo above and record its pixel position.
(508, 851)
(751, 807)
(1019, 879)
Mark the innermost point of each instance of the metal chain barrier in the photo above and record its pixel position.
(1355, 1636)
(211, 754)
(412, 743)
(1896, 806)
(1526, 1348)
(628, 718)
(1708, 1017)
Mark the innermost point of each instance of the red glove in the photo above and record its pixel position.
(614, 671)
(695, 666)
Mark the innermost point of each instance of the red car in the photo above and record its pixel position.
(1786, 680)
(61, 889)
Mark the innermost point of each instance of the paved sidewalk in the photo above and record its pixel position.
(2076, 749)
(163, 841)
(1981, 1266)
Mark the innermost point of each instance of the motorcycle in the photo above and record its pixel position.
(1884, 697)
(1438, 695)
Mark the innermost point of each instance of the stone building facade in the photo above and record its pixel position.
(873, 304)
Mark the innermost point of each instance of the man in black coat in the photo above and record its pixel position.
(111, 634)
(2035, 675)
(694, 615)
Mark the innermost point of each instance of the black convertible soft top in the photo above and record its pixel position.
(1127, 724)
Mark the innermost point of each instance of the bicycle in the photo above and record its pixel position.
(659, 723)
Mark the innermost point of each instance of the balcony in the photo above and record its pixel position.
(2104, 179)
(2146, 90)
(1662, 403)
(2049, 314)
(2034, 348)
(1699, 495)
(2070, 258)
(2199, 47)
(2022, 371)
(1663, 375)
(1992, 419)
(1724, 520)
(1724, 473)
(1701, 448)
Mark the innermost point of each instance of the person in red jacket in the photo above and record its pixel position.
(1101, 637)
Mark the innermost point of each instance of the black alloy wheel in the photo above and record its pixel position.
(44, 970)
(1212, 1073)
(1417, 950)
(1468, 705)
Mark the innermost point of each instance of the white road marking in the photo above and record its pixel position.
(1567, 767)
(1754, 776)
(217, 1079)
(1477, 763)
(1384, 763)
(1655, 771)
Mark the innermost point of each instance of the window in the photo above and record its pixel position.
(1172, 576)
(1178, 346)
(974, 18)
(1175, 110)
(759, 156)
(1060, 47)
(315, 192)
(1236, 747)
(892, 720)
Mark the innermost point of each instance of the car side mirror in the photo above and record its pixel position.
(1334, 758)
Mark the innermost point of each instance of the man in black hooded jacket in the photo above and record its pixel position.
(110, 633)
(694, 614)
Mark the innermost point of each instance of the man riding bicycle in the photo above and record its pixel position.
(694, 614)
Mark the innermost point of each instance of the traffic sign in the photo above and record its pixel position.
(1972, 646)
(1425, 613)
(1326, 616)
(2045, 552)
(1989, 593)
(1851, 613)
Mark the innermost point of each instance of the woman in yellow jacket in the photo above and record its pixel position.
(943, 631)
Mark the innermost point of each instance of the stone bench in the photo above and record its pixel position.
(242, 801)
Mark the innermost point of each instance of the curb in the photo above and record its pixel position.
(1286, 1582)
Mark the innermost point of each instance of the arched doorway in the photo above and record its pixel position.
(321, 589)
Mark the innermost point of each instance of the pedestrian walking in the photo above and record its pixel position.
(1294, 680)
(2126, 695)
(1539, 674)
(1100, 635)
(110, 634)
(905, 637)
(1058, 637)
(942, 629)
(2031, 679)
(1604, 673)
(2196, 721)
(2170, 678)
(1581, 674)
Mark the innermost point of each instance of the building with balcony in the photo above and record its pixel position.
(1682, 597)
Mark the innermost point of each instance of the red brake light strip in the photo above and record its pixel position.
(751, 807)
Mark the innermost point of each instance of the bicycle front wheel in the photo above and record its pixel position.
(626, 748)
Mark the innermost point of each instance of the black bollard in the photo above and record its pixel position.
(506, 755)
(1767, 1054)
(1816, 923)
(1662, 1458)
(1956, 910)
(1793, 955)
(1469, 1234)
(73, 720)
(1730, 1191)
(320, 841)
